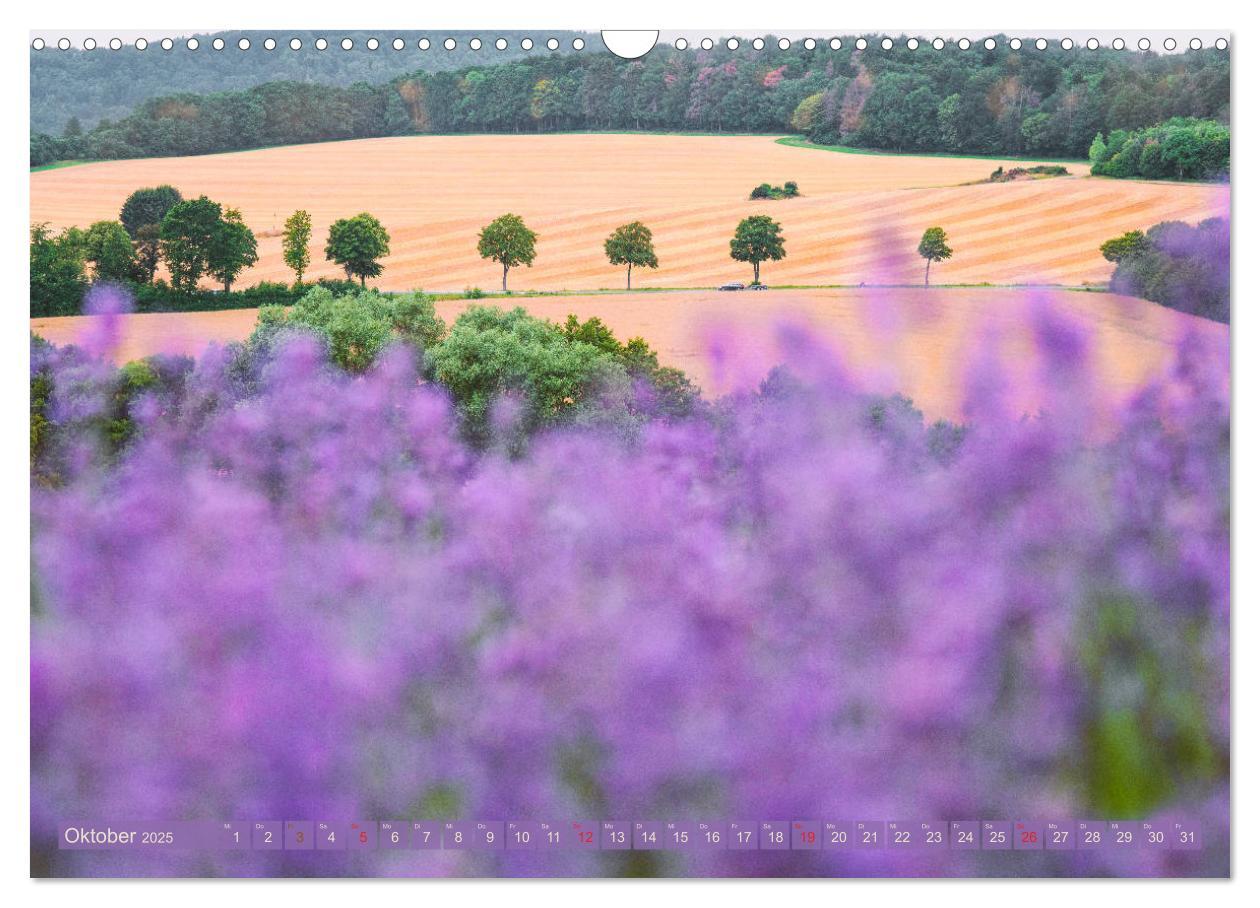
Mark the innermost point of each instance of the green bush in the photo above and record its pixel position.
(1182, 148)
(491, 353)
(356, 325)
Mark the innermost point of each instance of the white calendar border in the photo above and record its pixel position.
(733, 16)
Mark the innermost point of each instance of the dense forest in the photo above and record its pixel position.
(1050, 102)
(104, 84)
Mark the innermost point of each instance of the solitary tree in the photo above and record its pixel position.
(507, 241)
(232, 248)
(630, 245)
(932, 247)
(297, 239)
(188, 232)
(108, 247)
(358, 244)
(758, 239)
(142, 216)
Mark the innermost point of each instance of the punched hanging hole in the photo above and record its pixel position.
(398, 44)
(373, 44)
(759, 43)
(37, 44)
(1092, 44)
(141, 44)
(243, 44)
(1144, 43)
(218, 44)
(784, 44)
(269, 44)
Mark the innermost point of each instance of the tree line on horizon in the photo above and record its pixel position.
(1050, 102)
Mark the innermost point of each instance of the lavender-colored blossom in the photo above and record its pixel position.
(311, 600)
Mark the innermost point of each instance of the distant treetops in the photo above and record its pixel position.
(200, 238)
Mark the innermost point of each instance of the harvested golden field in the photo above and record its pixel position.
(858, 220)
(910, 340)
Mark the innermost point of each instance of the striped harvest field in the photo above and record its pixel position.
(858, 219)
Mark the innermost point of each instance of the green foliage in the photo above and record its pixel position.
(58, 277)
(490, 353)
(1183, 148)
(673, 392)
(107, 246)
(187, 237)
(757, 239)
(142, 215)
(1049, 102)
(1035, 172)
(933, 248)
(631, 245)
(788, 190)
(807, 112)
(1121, 247)
(358, 244)
(1147, 735)
(507, 241)
(297, 242)
(1176, 265)
(232, 249)
(356, 326)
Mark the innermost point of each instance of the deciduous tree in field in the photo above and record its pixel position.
(297, 239)
(507, 241)
(758, 239)
(107, 246)
(630, 245)
(232, 248)
(358, 244)
(933, 248)
(188, 232)
(142, 216)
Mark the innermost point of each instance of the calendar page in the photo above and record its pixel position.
(501, 453)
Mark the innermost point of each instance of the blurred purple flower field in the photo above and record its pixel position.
(314, 600)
